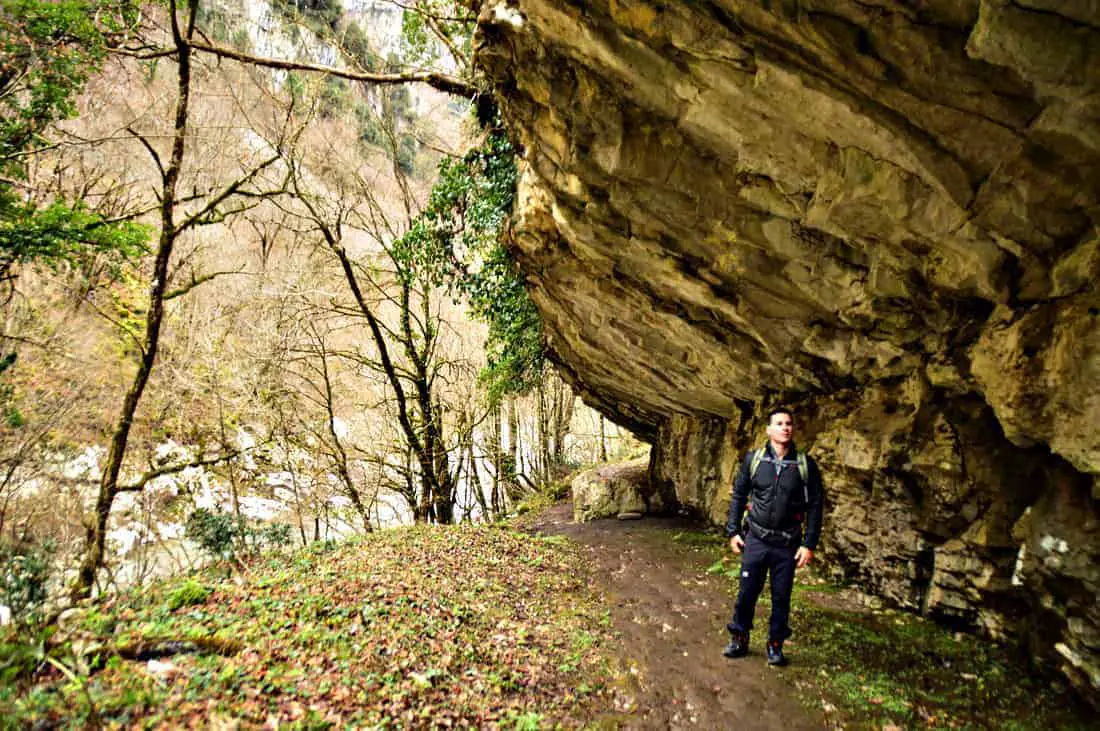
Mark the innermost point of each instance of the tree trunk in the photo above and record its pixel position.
(422, 449)
(474, 480)
(542, 469)
(230, 465)
(563, 413)
(497, 458)
(96, 528)
(515, 444)
(340, 454)
(603, 440)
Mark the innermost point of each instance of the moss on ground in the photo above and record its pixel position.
(881, 668)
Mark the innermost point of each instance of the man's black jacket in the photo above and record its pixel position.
(778, 504)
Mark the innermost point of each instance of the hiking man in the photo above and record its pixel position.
(782, 487)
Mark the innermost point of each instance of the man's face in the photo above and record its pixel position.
(780, 428)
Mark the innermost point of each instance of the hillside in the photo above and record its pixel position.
(411, 627)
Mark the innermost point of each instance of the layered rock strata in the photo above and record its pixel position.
(882, 213)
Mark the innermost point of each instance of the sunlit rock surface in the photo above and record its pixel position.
(882, 213)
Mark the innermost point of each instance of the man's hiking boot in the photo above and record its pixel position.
(738, 646)
(775, 654)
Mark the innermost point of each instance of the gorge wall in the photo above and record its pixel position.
(882, 215)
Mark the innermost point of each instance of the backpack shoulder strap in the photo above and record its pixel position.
(757, 458)
(804, 473)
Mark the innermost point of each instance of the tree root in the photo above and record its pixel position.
(154, 648)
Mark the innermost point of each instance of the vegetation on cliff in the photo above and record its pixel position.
(460, 237)
(48, 50)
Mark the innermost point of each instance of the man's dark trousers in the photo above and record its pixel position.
(759, 558)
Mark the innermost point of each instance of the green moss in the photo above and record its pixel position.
(187, 594)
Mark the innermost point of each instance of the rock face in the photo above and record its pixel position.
(881, 213)
(613, 490)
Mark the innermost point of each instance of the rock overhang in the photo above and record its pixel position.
(886, 214)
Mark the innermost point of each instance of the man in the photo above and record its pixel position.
(784, 523)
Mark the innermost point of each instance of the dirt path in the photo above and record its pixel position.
(671, 616)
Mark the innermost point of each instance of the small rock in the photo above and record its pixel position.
(219, 722)
(71, 618)
(629, 516)
(156, 667)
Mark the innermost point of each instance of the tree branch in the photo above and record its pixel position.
(442, 82)
(151, 475)
(144, 55)
(226, 193)
(195, 282)
(149, 147)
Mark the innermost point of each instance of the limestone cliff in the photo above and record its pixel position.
(882, 213)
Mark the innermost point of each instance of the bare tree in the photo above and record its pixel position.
(314, 359)
(172, 226)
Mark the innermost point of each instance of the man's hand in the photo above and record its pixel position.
(803, 556)
(737, 544)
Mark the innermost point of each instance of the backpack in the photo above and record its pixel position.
(761, 455)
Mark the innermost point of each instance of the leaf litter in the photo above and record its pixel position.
(413, 627)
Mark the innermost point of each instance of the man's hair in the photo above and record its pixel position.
(780, 410)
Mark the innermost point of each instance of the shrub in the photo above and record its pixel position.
(227, 537)
(24, 571)
(215, 532)
(406, 154)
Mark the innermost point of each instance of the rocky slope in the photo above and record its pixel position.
(882, 214)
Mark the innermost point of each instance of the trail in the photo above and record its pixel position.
(671, 616)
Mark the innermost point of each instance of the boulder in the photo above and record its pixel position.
(614, 490)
